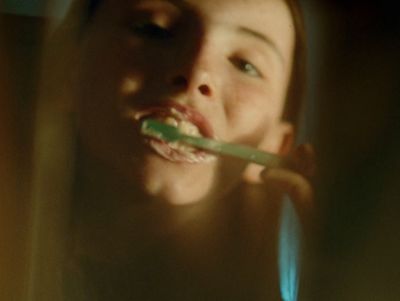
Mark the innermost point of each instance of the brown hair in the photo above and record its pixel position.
(297, 83)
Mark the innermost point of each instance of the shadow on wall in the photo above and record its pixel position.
(25, 8)
(20, 40)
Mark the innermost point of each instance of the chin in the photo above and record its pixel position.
(178, 183)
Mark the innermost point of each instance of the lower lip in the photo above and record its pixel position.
(179, 156)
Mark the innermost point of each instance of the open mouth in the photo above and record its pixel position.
(188, 122)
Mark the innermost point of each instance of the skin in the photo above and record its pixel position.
(205, 73)
(230, 61)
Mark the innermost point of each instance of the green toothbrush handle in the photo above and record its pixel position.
(159, 130)
(235, 150)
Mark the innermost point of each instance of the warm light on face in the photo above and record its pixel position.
(226, 63)
(130, 86)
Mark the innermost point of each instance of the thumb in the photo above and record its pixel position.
(282, 181)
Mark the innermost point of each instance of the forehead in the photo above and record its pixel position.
(271, 18)
(239, 8)
(255, 9)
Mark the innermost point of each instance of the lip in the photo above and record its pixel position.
(184, 113)
(179, 156)
(187, 113)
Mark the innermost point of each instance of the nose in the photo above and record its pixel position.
(195, 76)
(198, 84)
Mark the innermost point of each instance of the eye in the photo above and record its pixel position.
(246, 67)
(151, 30)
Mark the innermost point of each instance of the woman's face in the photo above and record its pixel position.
(218, 68)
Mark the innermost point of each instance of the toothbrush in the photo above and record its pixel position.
(168, 133)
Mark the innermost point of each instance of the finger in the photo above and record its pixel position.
(303, 160)
(290, 182)
(296, 186)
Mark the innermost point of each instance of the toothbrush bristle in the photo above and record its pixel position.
(159, 130)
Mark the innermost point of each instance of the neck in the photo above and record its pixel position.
(113, 219)
(117, 228)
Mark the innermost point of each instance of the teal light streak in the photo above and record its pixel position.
(289, 252)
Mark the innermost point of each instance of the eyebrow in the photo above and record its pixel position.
(263, 38)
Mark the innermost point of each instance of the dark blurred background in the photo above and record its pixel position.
(357, 134)
(353, 117)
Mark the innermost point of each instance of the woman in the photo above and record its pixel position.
(155, 221)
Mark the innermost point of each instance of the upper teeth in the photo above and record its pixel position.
(171, 121)
(185, 127)
(188, 128)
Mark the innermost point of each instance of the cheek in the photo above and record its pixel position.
(130, 85)
(111, 77)
(113, 54)
(248, 112)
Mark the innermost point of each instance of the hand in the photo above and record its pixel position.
(295, 181)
